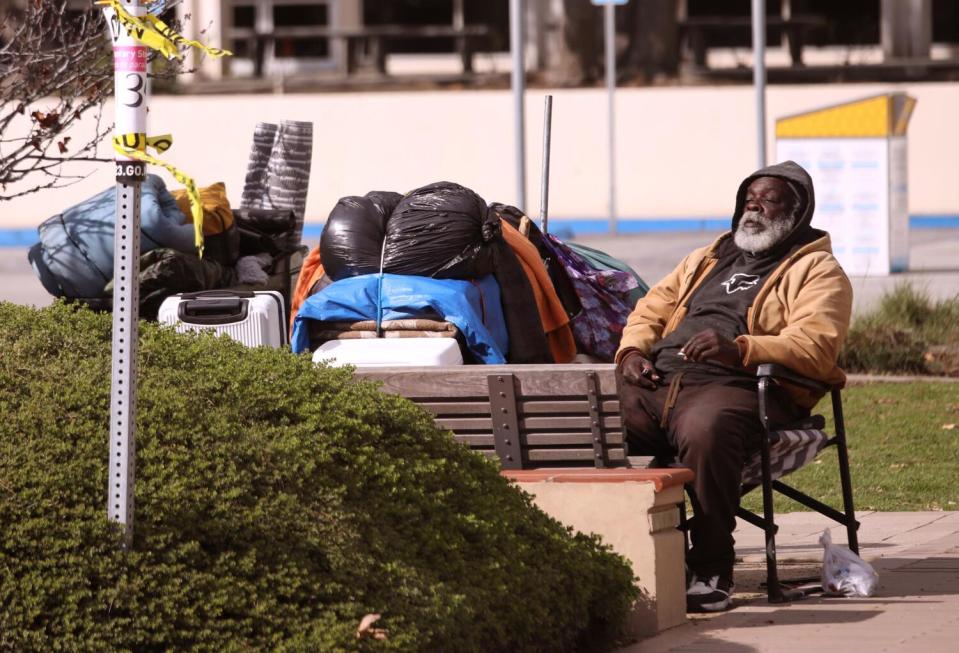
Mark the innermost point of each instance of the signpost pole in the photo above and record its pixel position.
(611, 114)
(130, 100)
(518, 79)
(759, 77)
(544, 176)
(609, 8)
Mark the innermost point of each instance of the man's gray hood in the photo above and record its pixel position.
(789, 171)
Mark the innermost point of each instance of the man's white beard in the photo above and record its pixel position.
(775, 231)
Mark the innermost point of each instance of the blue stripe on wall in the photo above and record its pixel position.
(18, 237)
(566, 227)
(660, 225)
(934, 221)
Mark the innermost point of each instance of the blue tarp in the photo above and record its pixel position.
(473, 306)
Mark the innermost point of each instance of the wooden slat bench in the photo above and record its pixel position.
(558, 433)
(527, 415)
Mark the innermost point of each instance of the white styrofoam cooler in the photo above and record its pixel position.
(390, 352)
(254, 318)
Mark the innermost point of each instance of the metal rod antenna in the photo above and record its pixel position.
(544, 176)
(610, 89)
(130, 92)
(759, 77)
(518, 82)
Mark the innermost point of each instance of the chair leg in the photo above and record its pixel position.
(852, 526)
(773, 590)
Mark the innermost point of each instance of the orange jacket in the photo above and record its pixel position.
(310, 272)
(555, 321)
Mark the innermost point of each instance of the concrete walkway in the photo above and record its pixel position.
(933, 266)
(916, 607)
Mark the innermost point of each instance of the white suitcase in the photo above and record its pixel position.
(390, 352)
(252, 318)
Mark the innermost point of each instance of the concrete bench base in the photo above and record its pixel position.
(635, 512)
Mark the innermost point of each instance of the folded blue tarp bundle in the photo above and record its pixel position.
(472, 306)
(74, 257)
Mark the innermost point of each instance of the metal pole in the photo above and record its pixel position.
(130, 99)
(544, 177)
(518, 81)
(759, 77)
(459, 17)
(610, 89)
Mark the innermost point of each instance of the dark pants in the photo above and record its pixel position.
(711, 426)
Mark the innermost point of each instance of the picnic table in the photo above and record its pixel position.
(365, 45)
(697, 30)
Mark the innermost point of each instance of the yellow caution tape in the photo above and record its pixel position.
(154, 33)
(134, 146)
(179, 39)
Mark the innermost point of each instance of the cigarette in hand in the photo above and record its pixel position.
(681, 354)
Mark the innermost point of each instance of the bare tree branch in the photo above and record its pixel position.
(55, 67)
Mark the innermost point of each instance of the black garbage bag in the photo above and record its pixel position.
(441, 230)
(352, 240)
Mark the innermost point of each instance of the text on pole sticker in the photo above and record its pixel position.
(130, 58)
(130, 171)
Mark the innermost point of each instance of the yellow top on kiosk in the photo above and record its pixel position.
(856, 153)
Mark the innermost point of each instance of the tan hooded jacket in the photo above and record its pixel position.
(799, 319)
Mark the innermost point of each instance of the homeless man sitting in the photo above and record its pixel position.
(768, 291)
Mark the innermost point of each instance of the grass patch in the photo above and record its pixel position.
(903, 453)
(908, 333)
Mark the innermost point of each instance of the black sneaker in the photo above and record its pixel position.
(709, 594)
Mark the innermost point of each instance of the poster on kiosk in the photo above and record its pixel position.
(856, 153)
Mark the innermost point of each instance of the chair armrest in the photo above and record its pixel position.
(772, 370)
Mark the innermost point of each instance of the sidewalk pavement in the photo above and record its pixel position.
(916, 607)
(933, 265)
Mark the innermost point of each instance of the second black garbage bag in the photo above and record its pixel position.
(446, 231)
(441, 231)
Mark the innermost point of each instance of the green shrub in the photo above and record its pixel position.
(276, 504)
(874, 345)
(907, 333)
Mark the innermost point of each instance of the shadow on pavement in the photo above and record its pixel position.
(809, 547)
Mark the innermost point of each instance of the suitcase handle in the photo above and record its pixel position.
(223, 310)
(248, 294)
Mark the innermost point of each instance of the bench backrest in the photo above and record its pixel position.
(526, 415)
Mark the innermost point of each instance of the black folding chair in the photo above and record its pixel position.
(786, 449)
(783, 450)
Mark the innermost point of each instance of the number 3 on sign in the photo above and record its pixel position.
(134, 87)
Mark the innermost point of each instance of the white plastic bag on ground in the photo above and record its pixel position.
(843, 572)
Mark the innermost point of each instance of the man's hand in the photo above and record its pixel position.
(710, 345)
(638, 370)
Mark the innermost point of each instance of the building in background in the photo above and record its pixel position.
(311, 43)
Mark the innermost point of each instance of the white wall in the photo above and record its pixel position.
(681, 151)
